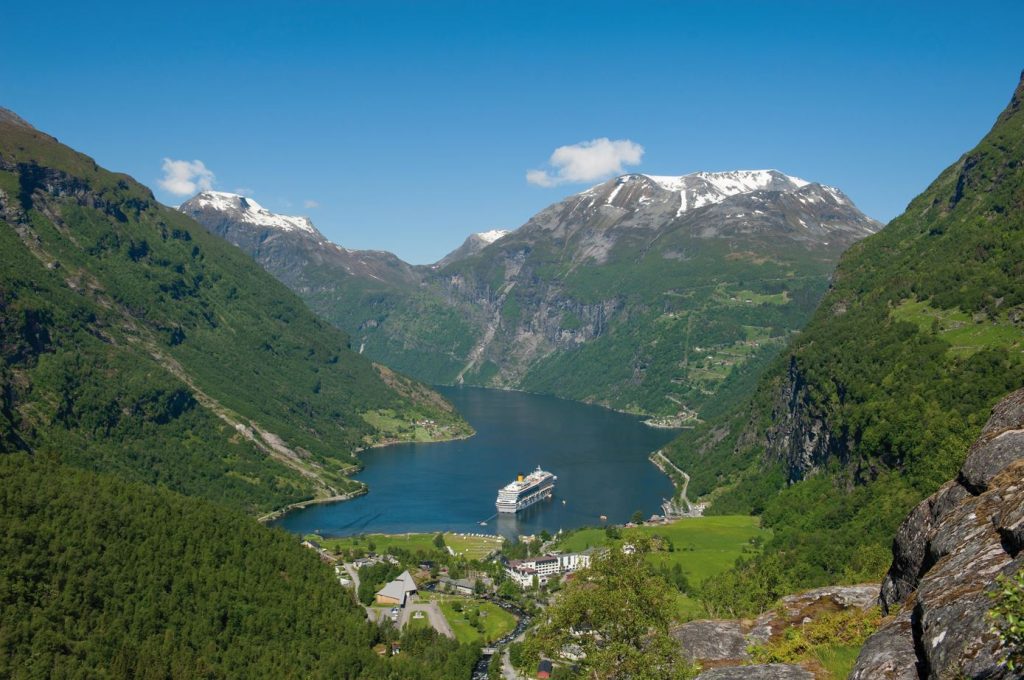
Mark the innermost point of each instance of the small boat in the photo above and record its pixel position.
(483, 524)
(563, 502)
(604, 518)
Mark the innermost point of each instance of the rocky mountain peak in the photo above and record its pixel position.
(473, 244)
(245, 209)
(492, 235)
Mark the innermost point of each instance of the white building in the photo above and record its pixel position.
(523, 571)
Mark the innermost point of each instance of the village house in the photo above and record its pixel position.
(397, 592)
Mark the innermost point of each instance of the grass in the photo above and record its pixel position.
(749, 297)
(469, 546)
(473, 547)
(965, 335)
(838, 660)
(704, 546)
(496, 621)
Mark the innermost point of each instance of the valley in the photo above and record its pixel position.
(770, 436)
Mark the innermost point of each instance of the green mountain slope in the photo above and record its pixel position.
(660, 295)
(107, 579)
(873, 406)
(134, 341)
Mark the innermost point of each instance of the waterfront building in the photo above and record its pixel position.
(523, 571)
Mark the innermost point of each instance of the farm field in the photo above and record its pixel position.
(470, 546)
(702, 546)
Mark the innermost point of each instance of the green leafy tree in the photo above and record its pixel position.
(618, 611)
(439, 541)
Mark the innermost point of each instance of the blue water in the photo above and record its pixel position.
(599, 457)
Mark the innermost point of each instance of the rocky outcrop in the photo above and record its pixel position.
(947, 556)
(770, 671)
(721, 646)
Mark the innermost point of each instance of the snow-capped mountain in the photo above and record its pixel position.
(644, 292)
(473, 244)
(492, 235)
(244, 209)
(290, 247)
(767, 203)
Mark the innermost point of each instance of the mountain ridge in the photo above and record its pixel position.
(522, 310)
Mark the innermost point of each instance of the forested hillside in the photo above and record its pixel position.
(135, 342)
(107, 579)
(874, 405)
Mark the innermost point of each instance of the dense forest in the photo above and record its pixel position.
(873, 406)
(104, 578)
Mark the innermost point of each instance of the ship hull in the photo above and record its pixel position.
(523, 493)
(510, 508)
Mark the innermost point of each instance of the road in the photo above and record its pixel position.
(434, 616)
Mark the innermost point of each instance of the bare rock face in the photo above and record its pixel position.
(889, 654)
(947, 556)
(771, 671)
(713, 642)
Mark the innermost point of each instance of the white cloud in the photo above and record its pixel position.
(587, 161)
(309, 204)
(245, 191)
(184, 178)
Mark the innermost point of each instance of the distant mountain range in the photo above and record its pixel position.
(660, 295)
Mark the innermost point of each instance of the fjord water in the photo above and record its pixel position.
(599, 456)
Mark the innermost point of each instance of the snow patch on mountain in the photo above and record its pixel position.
(492, 235)
(248, 210)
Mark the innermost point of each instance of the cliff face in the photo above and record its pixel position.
(947, 556)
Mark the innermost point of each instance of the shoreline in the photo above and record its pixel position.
(281, 512)
(650, 420)
(364, 489)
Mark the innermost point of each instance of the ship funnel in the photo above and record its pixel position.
(519, 477)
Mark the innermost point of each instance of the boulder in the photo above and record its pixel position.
(947, 557)
(771, 671)
(712, 642)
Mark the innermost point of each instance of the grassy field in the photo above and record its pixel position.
(958, 329)
(496, 621)
(704, 546)
(472, 547)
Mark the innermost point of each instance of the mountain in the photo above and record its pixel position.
(662, 295)
(873, 406)
(289, 246)
(473, 244)
(134, 342)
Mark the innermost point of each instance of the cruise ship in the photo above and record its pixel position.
(525, 491)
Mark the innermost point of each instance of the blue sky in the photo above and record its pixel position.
(406, 126)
